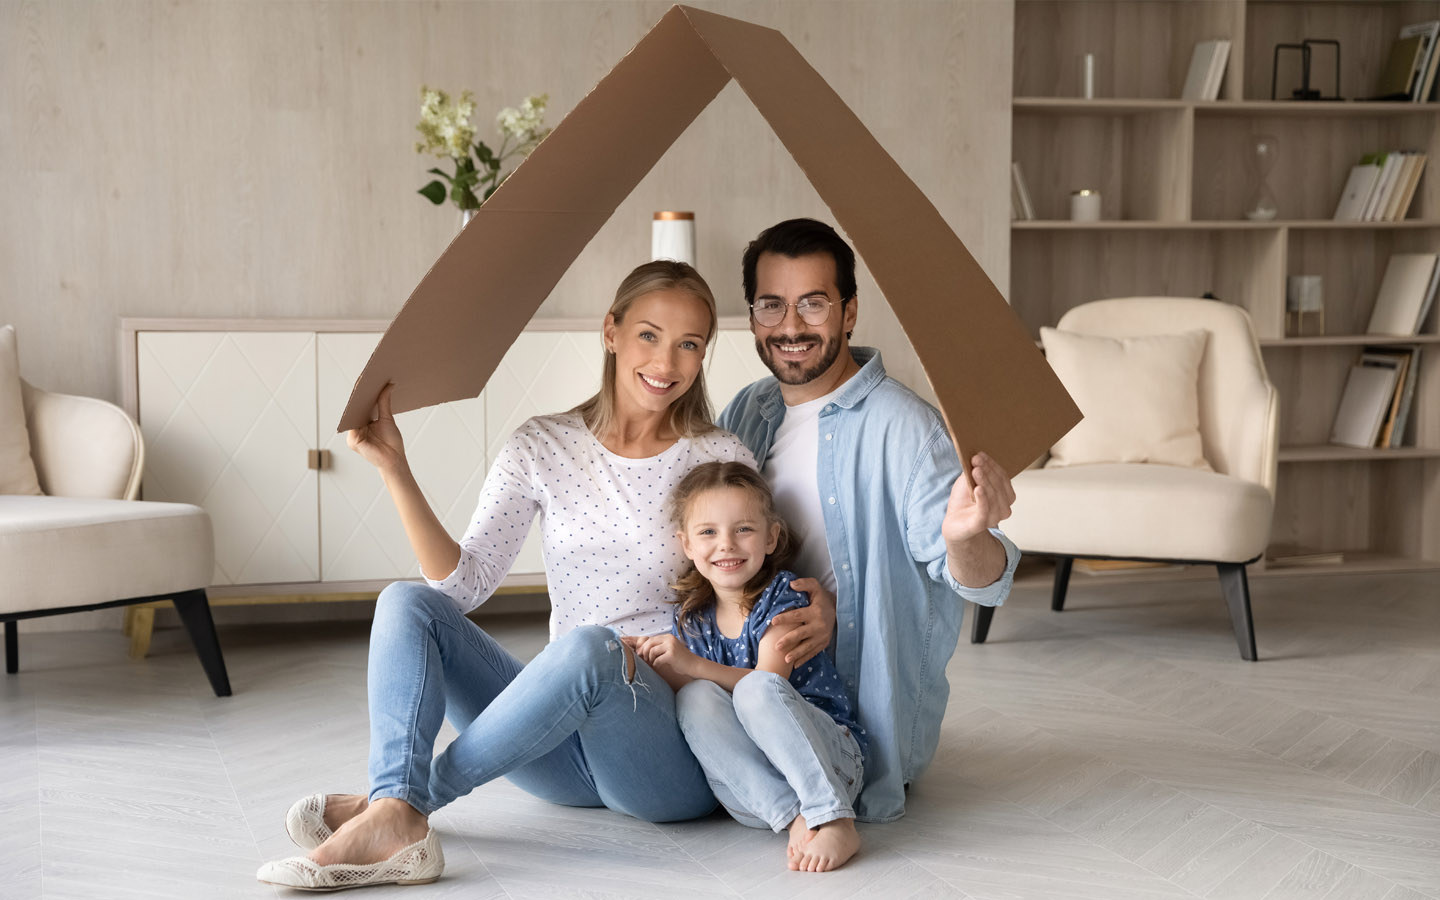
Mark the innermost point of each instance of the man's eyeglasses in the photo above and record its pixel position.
(770, 311)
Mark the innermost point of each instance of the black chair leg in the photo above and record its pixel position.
(1062, 581)
(1237, 596)
(12, 647)
(194, 610)
(980, 625)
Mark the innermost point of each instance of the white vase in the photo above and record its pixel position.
(465, 216)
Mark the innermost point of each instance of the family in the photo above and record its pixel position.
(756, 610)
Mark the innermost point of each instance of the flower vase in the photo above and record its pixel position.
(465, 216)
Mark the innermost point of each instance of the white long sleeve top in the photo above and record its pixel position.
(610, 550)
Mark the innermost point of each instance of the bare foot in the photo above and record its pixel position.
(375, 834)
(341, 808)
(825, 848)
(800, 835)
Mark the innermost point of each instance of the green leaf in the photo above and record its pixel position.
(434, 192)
(484, 154)
(464, 197)
(443, 174)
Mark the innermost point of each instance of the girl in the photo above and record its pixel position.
(780, 747)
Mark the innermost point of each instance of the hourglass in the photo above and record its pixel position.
(1263, 148)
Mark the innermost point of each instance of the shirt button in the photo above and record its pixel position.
(852, 624)
(827, 437)
(845, 565)
(832, 501)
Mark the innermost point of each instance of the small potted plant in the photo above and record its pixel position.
(449, 133)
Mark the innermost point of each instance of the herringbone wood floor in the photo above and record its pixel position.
(1120, 749)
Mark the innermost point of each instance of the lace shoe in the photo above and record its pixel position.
(305, 822)
(420, 863)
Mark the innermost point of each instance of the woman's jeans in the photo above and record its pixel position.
(769, 753)
(570, 727)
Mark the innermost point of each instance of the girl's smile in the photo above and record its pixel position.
(727, 538)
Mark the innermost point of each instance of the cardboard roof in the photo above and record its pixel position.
(994, 387)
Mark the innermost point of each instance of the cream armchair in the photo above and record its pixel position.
(86, 543)
(1218, 515)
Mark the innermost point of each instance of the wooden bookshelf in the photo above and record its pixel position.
(1175, 179)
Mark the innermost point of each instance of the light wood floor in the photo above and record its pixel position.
(1120, 749)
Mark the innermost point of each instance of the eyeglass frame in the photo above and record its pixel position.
(829, 302)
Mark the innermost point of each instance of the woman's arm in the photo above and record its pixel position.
(381, 445)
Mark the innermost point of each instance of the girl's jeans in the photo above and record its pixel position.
(769, 753)
(570, 727)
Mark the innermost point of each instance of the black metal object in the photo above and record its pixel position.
(1234, 584)
(193, 607)
(1305, 91)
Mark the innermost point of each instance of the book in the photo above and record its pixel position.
(1399, 360)
(1368, 392)
(1416, 169)
(1398, 75)
(1407, 398)
(1356, 191)
(1429, 34)
(1204, 62)
(1391, 164)
(1020, 205)
(1402, 295)
(1404, 186)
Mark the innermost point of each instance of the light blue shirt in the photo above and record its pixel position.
(885, 469)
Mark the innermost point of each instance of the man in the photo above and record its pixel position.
(865, 473)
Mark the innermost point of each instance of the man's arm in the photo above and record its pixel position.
(975, 557)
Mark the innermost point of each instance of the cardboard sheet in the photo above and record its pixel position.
(994, 387)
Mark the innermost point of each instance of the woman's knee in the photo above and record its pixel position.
(403, 601)
(588, 648)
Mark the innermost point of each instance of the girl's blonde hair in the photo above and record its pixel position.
(690, 415)
(693, 593)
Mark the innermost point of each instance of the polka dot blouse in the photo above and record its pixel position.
(816, 680)
(610, 551)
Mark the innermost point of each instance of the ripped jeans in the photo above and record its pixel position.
(570, 727)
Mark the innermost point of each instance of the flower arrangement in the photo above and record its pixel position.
(448, 133)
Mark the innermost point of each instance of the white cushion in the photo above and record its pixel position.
(65, 551)
(1139, 395)
(17, 471)
(1139, 511)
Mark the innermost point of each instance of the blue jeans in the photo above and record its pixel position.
(769, 753)
(570, 727)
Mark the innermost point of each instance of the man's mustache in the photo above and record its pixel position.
(793, 339)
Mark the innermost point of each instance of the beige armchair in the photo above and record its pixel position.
(1217, 514)
(86, 543)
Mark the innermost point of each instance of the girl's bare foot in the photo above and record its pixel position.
(800, 835)
(375, 834)
(341, 808)
(825, 848)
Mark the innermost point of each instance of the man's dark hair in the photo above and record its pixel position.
(801, 237)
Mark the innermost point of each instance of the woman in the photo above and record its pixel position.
(584, 724)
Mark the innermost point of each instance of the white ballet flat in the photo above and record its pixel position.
(305, 822)
(420, 863)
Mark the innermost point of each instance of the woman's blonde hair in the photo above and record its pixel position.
(693, 592)
(690, 415)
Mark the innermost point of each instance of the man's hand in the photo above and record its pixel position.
(813, 625)
(668, 656)
(974, 510)
(976, 506)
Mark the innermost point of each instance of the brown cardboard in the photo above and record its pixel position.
(994, 387)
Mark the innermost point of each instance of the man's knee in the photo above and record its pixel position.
(699, 702)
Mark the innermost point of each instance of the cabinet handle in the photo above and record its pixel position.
(319, 459)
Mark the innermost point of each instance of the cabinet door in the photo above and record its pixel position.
(731, 364)
(361, 537)
(228, 419)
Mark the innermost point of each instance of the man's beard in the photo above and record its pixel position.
(790, 373)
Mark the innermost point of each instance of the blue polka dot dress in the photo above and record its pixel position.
(610, 550)
(816, 680)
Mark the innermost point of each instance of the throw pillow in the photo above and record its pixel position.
(17, 471)
(1139, 396)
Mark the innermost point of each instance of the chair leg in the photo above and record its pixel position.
(12, 647)
(194, 610)
(1062, 581)
(980, 625)
(1236, 586)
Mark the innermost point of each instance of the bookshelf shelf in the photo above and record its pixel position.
(1175, 180)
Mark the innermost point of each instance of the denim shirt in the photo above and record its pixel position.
(885, 469)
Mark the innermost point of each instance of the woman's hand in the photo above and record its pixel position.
(812, 626)
(379, 443)
(668, 656)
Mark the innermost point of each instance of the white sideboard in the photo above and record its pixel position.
(238, 418)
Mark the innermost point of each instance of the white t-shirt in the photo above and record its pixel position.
(791, 470)
(610, 550)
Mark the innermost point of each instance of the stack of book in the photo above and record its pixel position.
(1380, 187)
(1021, 208)
(1409, 72)
(1207, 70)
(1380, 389)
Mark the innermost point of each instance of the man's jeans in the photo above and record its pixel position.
(569, 727)
(769, 753)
